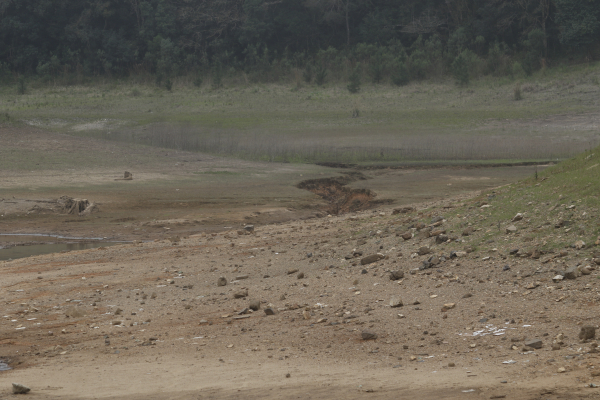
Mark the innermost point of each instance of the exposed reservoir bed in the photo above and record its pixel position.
(13, 246)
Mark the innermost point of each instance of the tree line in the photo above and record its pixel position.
(309, 40)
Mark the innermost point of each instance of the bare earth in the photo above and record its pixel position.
(147, 320)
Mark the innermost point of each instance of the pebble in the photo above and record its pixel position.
(534, 343)
(396, 301)
(269, 311)
(254, 305)
(222, 281)
(368, 335)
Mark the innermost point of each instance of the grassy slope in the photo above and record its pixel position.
(568, 191)
(430, 120)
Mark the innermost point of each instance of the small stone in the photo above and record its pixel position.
(371, 258)
(305, 314)
(300, 275)
(118, 311)
(535, 343)
(511, 229)
(222, 281)
(287, 375)
(249, 228)
(557, 278)
(572, 273)
(561, 370)
(448, 306)
(269, 311)
(254, 305)
(241, 277)
(407, 235)
(368, 335)
(451, 365)
(292, 271)
(587, 270)
(20, 389)
(423, 250)
(517, 217)
(580, 244)
(241, 294)
(587, 332)
(396, 275)
(396, 301)
(555, 346)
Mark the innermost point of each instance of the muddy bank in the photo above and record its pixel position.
(341, 198)
(433, 166)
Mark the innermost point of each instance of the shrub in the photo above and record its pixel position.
(376, 68)
(21, 86)
(517, 92)
(308, 73)
(320, 75)
(460, 69)
(354, 79)
(198, 81)
(400, 75)
(168, 84)
(217, 75)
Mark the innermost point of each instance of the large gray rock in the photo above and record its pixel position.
(20, 389)
(587, 332)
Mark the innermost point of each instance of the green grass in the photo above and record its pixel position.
(419, 122)
(544, 202)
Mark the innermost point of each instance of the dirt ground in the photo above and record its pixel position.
(148, 320)
(182, 193)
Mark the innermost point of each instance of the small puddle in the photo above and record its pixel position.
(4, 366)
(13, 246)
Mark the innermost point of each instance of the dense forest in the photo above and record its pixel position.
(311, 40)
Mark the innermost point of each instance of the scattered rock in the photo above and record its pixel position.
(254, 305)
(292, 271)
(407, 235)
(571, 273)
(241, 294)
(249, 228)
(423, 250)
(371, 259)
(20, 389)
(587, 332)
(448, 306)
(222, 281)
(396, 275)
(300, 275)
(580, 244)
(269, 311)
(587, 270)
(534, 343)
(368, 335)
(396, 301)
(517, 217)
(468, 231)
(511, 229)
(402, 210)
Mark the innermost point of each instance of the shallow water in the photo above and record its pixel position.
(25, 245)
